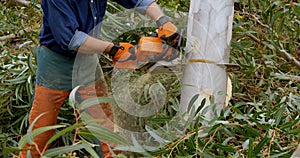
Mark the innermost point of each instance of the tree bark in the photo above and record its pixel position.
(296, 154)
(208, 37)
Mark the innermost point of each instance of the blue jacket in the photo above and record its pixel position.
(66, 23)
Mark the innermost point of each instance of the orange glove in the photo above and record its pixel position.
(167, 31)
(121, 52)
(123, 55)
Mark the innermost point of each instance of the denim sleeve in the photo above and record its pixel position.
(77, 40)
(62, 22)
(138, 5)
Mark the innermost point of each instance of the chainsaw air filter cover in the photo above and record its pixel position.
(152, 49)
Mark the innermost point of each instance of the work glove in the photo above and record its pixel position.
(123, 55)
(167, 31)
(121, 52)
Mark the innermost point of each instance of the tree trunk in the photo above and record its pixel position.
(296, 154)
(208, 37)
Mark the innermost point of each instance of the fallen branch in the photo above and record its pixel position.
(23, 2)
(13, 35)
(282, 50)
(286, 77)
(10, 36)
(289, 56)
(260, 42)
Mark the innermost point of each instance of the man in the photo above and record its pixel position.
(64, 38)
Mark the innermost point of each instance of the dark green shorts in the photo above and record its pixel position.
(59, 72)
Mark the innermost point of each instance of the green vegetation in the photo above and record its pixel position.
(262, 119)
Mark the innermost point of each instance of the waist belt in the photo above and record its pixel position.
(57, 49)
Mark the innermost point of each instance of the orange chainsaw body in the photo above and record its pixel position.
(130, 64)
(149, 48)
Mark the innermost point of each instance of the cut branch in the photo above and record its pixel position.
(13, 35)
(288, 56)
(7, 37)
(23, 2)
(286, 77)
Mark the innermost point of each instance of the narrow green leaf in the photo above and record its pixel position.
(137, 145)
(64, 131)
(250, 148)
(288, 125)
(280, 154)
(245, 145)
(94, 101)
(15, 81)
(65, 149)
(92, 152)
(135, 148)
(186, 156)
(37, 131)
(191, 103)
(262, 126)
(252, 131)
(30, 64)
(29, 131)
(279, 115)
(105, 134)
(156, 136)
(214, 128)
(205, 155)
(196, 123)
(72, 97)
(260, 145)
(225, 148)
(201, 106)
(294, 131)
(110, 4)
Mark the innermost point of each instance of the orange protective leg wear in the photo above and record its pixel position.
(101, 111)
(46, 101)
(50, 101)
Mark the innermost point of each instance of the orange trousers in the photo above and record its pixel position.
(49, 101)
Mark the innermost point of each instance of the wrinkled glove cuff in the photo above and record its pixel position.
(162, 20)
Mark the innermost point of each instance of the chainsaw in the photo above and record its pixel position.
(150, 49)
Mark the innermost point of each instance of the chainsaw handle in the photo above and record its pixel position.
(180, 40)
(161, 55)
(132, 55)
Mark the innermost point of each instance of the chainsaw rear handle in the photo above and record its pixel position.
(113, 51)
(122, 51)
(131, 57)
(126, 59)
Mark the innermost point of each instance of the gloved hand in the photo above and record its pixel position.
(122, 52)
(167, 31)
(123, 55)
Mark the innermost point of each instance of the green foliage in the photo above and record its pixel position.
(175, 5)
(262, 119)
(234, 133)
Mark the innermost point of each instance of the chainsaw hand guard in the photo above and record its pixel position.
(167, 31)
